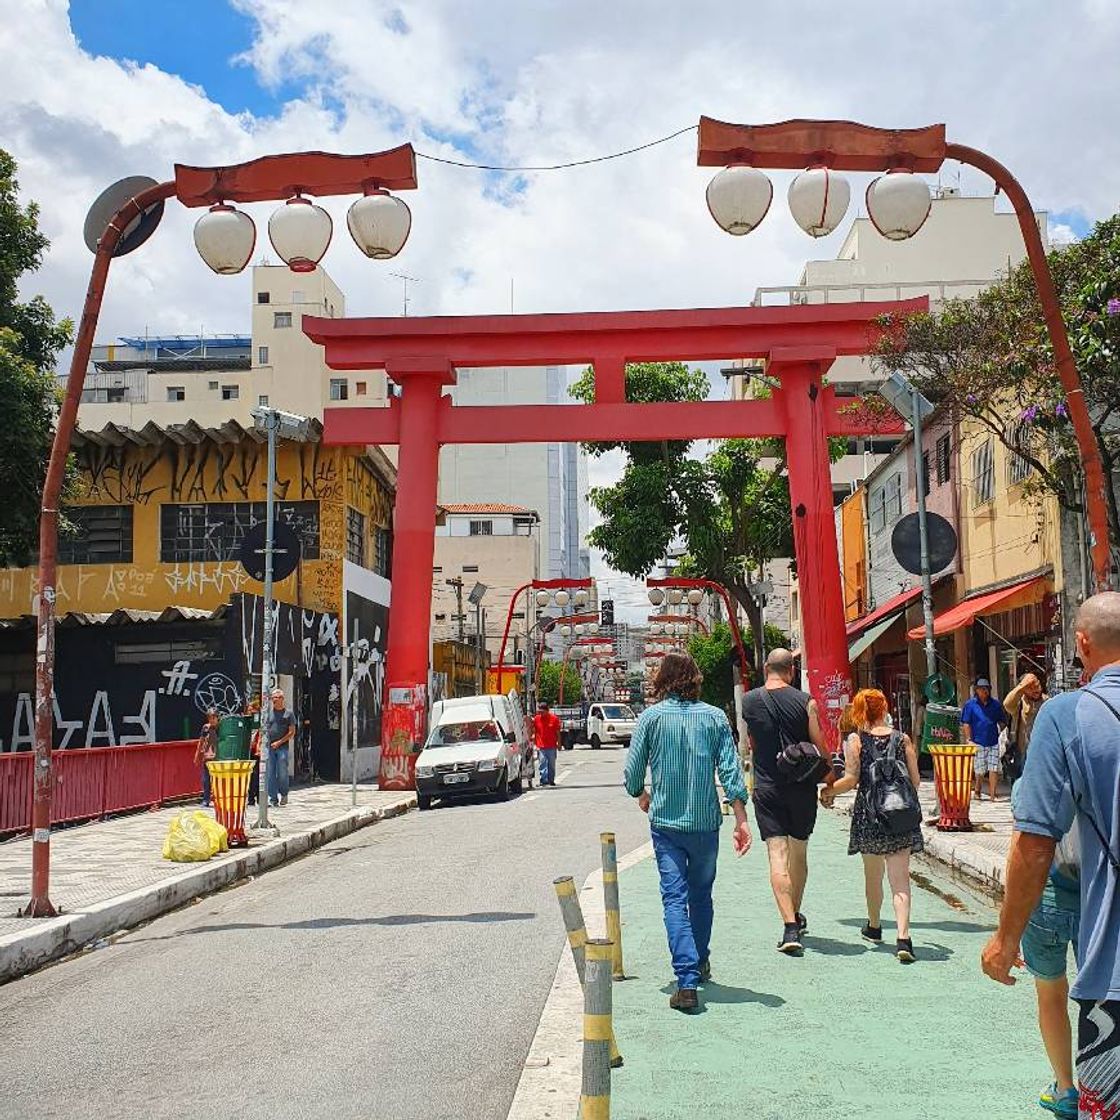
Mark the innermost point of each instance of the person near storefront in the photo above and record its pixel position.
(981, 718)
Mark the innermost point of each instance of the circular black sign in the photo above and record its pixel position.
(108, 202)
(906, 543)
(285, 551)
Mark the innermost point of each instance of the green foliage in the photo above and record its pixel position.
(716, 655)
(990, 358)
(548, 684)
(30, 340)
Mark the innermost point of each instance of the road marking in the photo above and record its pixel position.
(567, 773)
(530, 797)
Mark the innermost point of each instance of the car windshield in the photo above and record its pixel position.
(476, 731)
(617, 711)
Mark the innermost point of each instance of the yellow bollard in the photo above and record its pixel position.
(610, 901)
(577, 939)
(595, 1094)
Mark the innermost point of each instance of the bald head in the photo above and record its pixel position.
(1098, 630)
(779, 663)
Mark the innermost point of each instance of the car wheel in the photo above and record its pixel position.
(596, 743)
(423, 801)
(517, 784)
(504, 788)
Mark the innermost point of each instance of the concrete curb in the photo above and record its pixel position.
(549, 1087)
(47, 940)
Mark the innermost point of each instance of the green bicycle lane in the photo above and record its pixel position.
(846, 1030)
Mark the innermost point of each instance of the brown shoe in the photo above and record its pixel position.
(684, 999)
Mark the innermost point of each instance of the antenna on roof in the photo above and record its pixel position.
(406, 278)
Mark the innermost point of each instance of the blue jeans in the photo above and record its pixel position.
(205, 785)
(686, 862)
(277, 773)
(548, 765)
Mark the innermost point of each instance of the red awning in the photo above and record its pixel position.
(964, 614)
(891, 606)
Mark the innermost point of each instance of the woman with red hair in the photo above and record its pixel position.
(882, 851)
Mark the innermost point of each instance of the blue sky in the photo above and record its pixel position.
(196, 41)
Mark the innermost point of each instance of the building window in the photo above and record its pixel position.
(482, 528)
(281, 318)
(213, 531)
(262, 400)
(263, 297)
(213, 386)
(437, 568)
(893, 497)
(176, 393)
(115, 396)
(355, 537)
(230, 392)
(983, 473)
(297, 296)
(943, 460)
(17, 673)
(1018, 469)
(262, 355)
(359, 389)
(925, 472)
(102, 535)
(383, 551)
(877, 512)
(340, 389)
(470, 567)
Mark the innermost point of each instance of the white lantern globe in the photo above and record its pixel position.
(562, 598)
(898, 204)
(675, 595)
(543, 598)
(300, 233)
(696, 596)
(580, 597)
(738, 198)
(818, 200)
(656, 596)
(380, 224)
(225, 238)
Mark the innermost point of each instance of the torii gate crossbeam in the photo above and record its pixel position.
(422, 355)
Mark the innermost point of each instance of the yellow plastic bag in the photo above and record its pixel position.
(194, 837)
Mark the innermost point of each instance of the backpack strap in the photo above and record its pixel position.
(1105, 845)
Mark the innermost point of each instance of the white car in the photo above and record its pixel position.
(610, 723)
(477, 746)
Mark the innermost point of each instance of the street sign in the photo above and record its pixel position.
(109, 202)
(906, 543)
(285, 551)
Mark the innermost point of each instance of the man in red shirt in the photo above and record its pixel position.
(546, 734)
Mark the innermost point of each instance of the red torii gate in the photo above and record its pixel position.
(421, 355)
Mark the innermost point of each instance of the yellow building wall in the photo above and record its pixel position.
(854, 554)
(1015, 533)
(149, 477)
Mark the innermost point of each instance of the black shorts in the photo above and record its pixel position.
(785, 810)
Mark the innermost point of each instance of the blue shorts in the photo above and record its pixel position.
(1050, 933)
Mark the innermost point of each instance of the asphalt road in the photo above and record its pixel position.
(398, 973)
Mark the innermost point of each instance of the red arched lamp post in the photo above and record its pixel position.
(668, 589)
(121, 220)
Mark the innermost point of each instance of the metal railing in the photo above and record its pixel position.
(801, 295)
(96, 781)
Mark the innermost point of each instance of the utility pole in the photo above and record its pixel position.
(458, 585)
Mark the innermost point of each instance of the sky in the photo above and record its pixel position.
(99, 89)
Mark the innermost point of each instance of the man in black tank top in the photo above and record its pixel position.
(776, 715)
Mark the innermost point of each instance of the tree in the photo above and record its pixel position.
(30, 340)
(731, 508)
(548, 684)
(716, 655)
(990, 359)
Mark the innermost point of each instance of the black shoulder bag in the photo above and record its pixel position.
(797, 761)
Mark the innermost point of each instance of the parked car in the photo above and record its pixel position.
(476, 746)
(596, 724)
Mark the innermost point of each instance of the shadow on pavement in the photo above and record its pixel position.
(484, 918)
(942, 927)
(712, 992)
(830, 947)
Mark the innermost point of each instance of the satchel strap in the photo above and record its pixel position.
(784, 738)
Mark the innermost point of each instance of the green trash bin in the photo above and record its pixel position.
(942, 726)
(233, 738)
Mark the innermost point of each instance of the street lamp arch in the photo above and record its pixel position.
(225, 238)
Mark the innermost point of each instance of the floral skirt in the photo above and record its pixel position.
(869, 838)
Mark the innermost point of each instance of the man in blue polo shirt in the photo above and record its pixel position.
(1073, 771)
(980, 720)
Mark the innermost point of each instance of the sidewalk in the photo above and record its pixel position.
(109, 875)
(980, 854)
(845, 1031)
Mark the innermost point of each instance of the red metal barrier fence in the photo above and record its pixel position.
(95, 781)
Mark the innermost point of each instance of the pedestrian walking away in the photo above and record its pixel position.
(1021, 705)
(1072, 773)
(546, 734)
(779, 716)
(981, 718)
(279, 730)
(874, 755)
(206, 750)
(682, 743)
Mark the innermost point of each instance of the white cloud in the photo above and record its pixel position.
(543, 83)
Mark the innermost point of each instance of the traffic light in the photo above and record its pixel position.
(606, 612)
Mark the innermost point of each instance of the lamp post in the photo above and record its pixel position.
(290, 426)
(478, 593)
(678, 588)
(547, 592)
(120, 221)
(907, 401)
(898, 203)
(678, 620)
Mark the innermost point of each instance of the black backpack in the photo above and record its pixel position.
(890, 794)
